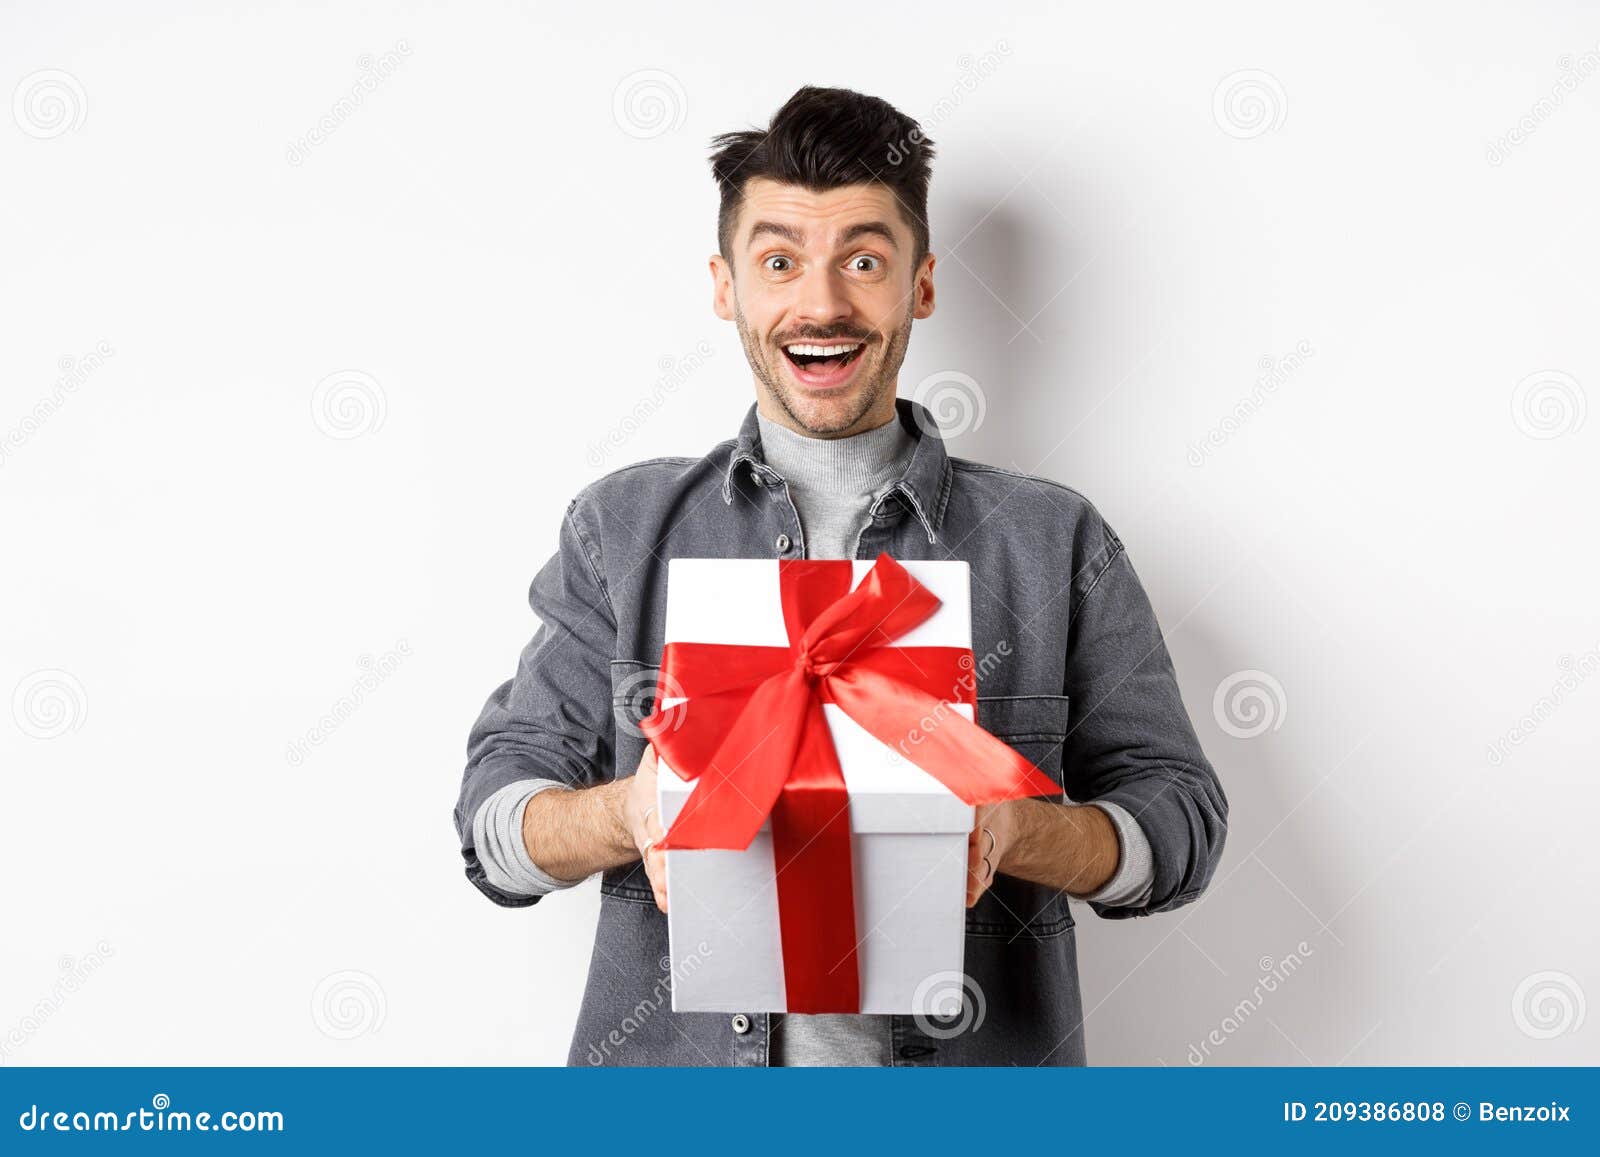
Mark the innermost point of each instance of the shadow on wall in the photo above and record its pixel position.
(1259, 971)
(1011, 365)
(988, 363)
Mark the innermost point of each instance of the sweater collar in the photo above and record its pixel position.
(863, 464)
(925, 484)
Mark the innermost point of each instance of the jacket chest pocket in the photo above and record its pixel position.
(1036, 727)
(633, 696)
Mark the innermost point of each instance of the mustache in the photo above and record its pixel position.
(823, 337)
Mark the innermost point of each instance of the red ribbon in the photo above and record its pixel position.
(752, 732)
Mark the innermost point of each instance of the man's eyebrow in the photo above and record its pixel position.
(868, 228)
(788, 234)
(795, 237)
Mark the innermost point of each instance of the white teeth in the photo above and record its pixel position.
(822, 351)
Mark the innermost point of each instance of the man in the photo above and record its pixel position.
(823, 264)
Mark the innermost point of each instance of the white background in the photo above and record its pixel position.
(1401, 532)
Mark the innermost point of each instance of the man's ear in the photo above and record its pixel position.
(721, 288)
(923, 289)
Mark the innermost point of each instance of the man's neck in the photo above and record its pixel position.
(834, 482)
(858, 464)
(774, 412)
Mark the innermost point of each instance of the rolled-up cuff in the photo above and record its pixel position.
(497, 835)
(1131, 884)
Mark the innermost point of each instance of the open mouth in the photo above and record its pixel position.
(823, 364)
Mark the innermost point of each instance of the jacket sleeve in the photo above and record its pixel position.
(1130, 739)
(553, 720)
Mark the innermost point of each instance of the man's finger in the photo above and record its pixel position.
(656, 869)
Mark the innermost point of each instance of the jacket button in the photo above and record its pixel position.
(741, 1023)
(782, 543)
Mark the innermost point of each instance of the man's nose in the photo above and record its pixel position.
(822, 300)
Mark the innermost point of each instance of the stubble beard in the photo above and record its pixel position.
(822, 417)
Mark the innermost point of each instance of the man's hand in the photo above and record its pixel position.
(987, 843)
(1072, 847)
(644, 824)
(573, 834)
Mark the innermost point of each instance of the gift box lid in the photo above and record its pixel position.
(737, 601)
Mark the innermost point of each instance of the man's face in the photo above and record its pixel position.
(823, 290)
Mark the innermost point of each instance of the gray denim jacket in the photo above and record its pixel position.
(1073, 673)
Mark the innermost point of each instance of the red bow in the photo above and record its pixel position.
(753, 733)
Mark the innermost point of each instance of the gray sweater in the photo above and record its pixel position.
(833, 483)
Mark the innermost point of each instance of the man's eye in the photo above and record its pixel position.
(778, 264)
(865, 263)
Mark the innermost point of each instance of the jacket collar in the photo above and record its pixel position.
(925, 484)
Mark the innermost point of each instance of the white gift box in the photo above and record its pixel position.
(908, 831)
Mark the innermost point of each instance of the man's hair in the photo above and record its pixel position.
(825, 138)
